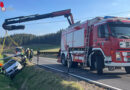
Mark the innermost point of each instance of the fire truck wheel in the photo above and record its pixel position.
(99, 64)
(92, 67)
(127, 69)
(63, 61)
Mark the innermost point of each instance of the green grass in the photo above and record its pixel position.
(4, 61)
(44, 48)
(51, 50)
(1, 61)
(5, 83)
(41, 46)
(34, 78)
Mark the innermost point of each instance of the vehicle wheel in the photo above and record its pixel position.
(127, 69)
(63, 61)
(99, 64)
(92, 67)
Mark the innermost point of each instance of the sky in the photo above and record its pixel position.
(81, 9)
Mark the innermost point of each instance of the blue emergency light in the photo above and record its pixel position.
(106, 17)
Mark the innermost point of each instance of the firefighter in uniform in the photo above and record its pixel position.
(31, 54)
(28, 52)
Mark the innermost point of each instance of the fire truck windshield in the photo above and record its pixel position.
(121, 31)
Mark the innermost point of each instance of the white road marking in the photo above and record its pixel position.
(52, 68)
(83, 78)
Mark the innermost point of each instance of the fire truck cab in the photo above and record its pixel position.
(98, 43)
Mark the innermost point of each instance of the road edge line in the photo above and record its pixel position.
(83, 78)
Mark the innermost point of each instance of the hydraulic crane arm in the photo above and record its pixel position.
(21, 19)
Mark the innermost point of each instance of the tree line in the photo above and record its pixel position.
(28, 39)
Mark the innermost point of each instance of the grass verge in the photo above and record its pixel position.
(6, 83)
(34, 78)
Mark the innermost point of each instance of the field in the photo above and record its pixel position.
(43, 47)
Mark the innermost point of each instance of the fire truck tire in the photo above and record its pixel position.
(92, 67)
(127, 69)
(63, 61)
(71, 63)
(99, 64)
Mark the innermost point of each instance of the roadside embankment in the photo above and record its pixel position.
(33, 77)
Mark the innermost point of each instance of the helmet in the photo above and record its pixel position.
(27, 48)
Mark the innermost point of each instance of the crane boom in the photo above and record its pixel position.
(21, 19)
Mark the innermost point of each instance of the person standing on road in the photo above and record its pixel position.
(28, 52)
(31, 54)
(22, 52)
(38, 53)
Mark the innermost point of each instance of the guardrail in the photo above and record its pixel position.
(45, 53)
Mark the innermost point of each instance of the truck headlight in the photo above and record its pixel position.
(118, 56)
(122, 45)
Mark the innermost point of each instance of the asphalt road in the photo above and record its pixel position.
(117, 78)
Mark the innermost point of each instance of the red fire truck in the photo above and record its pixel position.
(98, 43)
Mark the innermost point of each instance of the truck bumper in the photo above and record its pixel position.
(117, 64)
